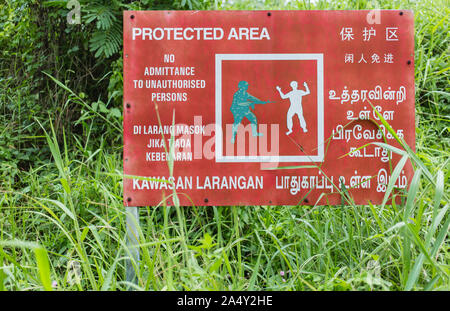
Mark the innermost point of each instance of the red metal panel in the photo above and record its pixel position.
(188, 67)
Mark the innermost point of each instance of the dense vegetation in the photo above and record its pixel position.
(62, 222)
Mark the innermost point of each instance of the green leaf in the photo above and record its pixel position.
(115, 113)
(412, 194)
(255, 272)
(216, 265)
(62, 207)
(65, 185)
(41, 259)
(290, 167)
(393, 178)
(44, 268)
(439, 192)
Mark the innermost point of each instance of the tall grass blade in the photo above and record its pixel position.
(394, 176)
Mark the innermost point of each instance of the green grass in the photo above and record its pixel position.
(62, 222)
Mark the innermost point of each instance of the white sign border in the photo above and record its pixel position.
(320, 108)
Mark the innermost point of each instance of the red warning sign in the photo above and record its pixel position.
(265, 108)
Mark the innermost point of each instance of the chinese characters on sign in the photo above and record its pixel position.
(259, 108)
(388, 58)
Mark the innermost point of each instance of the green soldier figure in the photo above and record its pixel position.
(242, 101)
